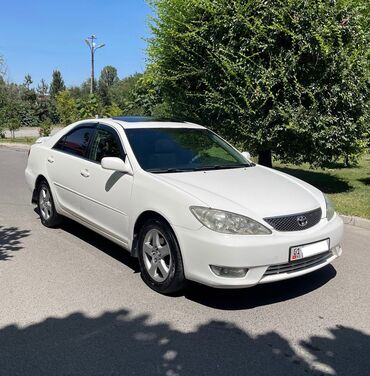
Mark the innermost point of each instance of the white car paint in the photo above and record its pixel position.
(110, 203)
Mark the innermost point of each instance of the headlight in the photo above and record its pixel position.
(228, 223)
(330, 210)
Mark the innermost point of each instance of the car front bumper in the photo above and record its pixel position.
(204, 247)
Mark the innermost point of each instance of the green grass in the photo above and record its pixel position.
(348, 188)
(19, 140)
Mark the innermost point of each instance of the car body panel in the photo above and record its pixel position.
(252, 191)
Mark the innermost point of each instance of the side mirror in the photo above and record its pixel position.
(246, 155)
(116, 164)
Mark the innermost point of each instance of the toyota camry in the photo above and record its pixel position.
(183, 201)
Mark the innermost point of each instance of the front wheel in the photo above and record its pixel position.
(160, 258)
(45, 203)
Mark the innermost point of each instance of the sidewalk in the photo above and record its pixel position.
(30, 132)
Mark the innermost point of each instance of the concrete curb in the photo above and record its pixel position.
(356, 221)
(347, 219)
(11, 145)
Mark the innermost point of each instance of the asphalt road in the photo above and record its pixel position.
(72, 303)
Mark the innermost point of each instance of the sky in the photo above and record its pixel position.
(39, 36)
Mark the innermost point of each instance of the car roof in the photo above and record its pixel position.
(129, 122)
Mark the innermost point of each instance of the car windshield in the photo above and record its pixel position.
(168, 150)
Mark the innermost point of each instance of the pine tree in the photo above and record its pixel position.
(57, 84)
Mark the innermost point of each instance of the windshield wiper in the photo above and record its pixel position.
(169, 170)
(222, 167)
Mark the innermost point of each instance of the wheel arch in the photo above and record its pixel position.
(38, 180)
(140, 220)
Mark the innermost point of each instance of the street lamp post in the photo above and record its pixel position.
(90, 41)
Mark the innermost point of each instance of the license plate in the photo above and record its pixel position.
(299, 252)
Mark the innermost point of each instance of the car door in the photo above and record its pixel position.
(106, 194)
(65, 166)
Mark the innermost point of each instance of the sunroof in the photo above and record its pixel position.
(140, 119)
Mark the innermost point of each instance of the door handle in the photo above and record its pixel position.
(50, 159)
(85, 173)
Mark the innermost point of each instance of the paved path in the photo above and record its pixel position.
(29, 132)
(72, 303)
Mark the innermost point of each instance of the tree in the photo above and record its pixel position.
(27, 81)
(66, 107)
(42, 88)
(57, 84)
(287, 77)
(89, 107)
(108, 78)
(2, 67)
(122, 91)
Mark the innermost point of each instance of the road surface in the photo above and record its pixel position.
(73, 303)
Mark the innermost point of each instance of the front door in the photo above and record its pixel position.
(106, 194)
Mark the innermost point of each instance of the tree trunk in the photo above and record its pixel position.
(265, 158)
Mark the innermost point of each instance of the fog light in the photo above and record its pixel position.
(223, 271)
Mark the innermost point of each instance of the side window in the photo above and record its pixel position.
(59, 145)
(77, 141)
(105, 144)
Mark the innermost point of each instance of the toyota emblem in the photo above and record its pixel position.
(302, 220)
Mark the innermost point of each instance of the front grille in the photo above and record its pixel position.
(295, 266)
(295, 222)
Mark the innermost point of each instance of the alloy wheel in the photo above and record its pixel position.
(157, 255)
(45, 203)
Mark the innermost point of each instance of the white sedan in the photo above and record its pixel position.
(184, 201)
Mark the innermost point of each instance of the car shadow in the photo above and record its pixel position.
(105, 245)
(260, 295)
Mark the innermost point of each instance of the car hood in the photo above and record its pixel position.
(253, 191)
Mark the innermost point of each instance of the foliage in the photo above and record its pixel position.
(89, 107)
(108, 78)
(145, 99)
(57, 84)
(288, 76)
(122, 91)
(13, 125)
(42, 88)
(27, 81)
(66, 107)
(45, 128)
(2, 67)
(112, 110)
(27, 115)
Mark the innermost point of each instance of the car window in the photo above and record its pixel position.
(186, 149)
(105, 144)
(76, 142)
(59, 145)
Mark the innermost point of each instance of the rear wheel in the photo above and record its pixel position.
(160, 258)
(45, 203)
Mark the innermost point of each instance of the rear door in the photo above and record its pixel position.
(66, 162)
(106, 194)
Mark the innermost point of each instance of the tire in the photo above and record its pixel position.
(160, 258)
(45, 203)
